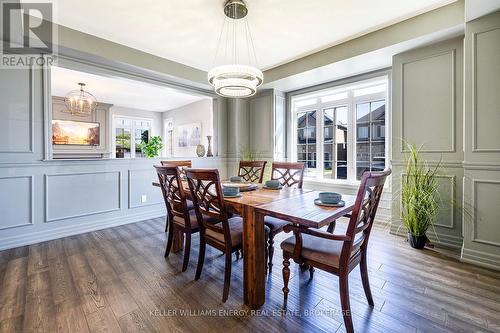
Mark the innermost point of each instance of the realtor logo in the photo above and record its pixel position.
(27, 34)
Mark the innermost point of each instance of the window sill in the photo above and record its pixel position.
(331, 183)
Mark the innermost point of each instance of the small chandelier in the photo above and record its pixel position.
(235, 80)
(80, 102)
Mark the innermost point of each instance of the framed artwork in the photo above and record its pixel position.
(189, 135)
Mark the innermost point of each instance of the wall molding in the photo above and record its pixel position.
(32, 203)
(46, 192)
(452, 179)
(452, 52)
(480, 258)
(474, 204)
(31, 113)
(129, 188)
(450, 241)
(75, 229)
(474, 94)
(433, 163)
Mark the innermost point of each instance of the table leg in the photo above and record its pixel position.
(253, 258)
(178, 240)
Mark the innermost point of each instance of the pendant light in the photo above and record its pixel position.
(80, 102)
(236, 79)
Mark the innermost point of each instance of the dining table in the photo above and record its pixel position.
(288, 203)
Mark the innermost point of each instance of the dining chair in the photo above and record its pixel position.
(181, 165)
(179, 217)
(289, 174)
(252, 171)
(227, 234)
(338, 254)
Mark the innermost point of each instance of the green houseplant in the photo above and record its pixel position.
(153, 147)
(419, 197)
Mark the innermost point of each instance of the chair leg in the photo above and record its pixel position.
(270, 251)
(187, 250)
(286, 277)
(311, 272)
(201, 257)
(331, 227)
(227, 276)
(363, 268)
(170, 237)
(344, 300)
(166, 223)
(266, 260)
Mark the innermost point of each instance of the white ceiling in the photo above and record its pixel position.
(120, 91)
(187, 31)
(364, 63)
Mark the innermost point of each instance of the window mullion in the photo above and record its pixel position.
(319, 140)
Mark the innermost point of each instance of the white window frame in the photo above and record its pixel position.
(350, 102)
(135, 123)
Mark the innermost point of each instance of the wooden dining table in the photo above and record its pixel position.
(292, 204)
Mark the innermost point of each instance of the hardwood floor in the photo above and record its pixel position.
(117, 280)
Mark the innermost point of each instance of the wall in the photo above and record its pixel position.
(482, 142)
(197, 112)
(46, 199)
(427, 109)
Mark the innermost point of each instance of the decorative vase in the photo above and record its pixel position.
(417, 242)
(209, 149)
(200, 150)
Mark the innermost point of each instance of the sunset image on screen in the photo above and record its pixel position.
(65, 132)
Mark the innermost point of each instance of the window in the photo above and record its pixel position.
(340, 132)
(126, 145)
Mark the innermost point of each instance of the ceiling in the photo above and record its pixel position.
(120, 91)
(187, 31)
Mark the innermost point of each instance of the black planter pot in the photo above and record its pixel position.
(417, 242)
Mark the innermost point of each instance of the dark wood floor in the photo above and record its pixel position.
(117, 280)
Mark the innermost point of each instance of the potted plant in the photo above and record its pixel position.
(153, 147)
(419, 198)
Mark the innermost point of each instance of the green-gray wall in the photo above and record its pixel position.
(446, 97)
(482, 142)
(427, 110)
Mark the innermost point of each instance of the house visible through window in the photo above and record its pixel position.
(340, 132)
(127, 145)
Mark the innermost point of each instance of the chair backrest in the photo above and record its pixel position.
(208, 200)
(172, 190)
(363, 214)
(182, 165)
(288, 173)
(252, 171)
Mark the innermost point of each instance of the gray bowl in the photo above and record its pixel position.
(229, 190)
(330, 197)
(273, 183)
(236, 179)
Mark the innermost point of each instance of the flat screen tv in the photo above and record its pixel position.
(68, 132)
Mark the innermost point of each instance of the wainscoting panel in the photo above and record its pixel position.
(81, 194)
(486, 197)
(16, 196)
(139, 185)
(423, 99)
(16, 127)
(262, 123)
(486, 99)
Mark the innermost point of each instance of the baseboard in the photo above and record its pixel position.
(70, 230)
(480, 258)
